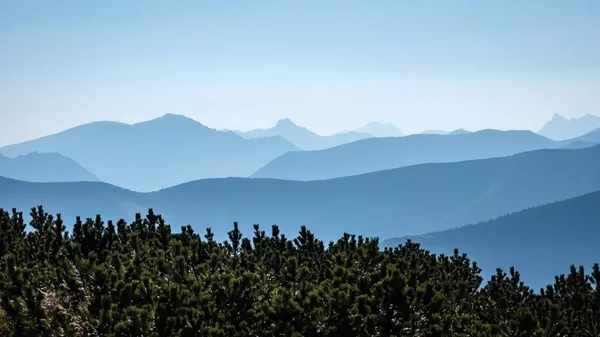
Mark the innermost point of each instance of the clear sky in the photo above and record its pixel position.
(329, 65)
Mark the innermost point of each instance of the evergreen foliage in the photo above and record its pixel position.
(142, 279)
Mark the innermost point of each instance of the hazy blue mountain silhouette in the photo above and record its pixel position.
(71, 199)
(303, 137)
(561, 128)
(588, 140)
(374, 154)
(591, 137)
(159, 153)
(441, 132)
(44, 167)
(380, 130)
(459, 132)
(580, 144)
(565, 230)
(406, 201)
(434, 132)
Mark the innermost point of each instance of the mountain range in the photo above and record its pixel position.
(561, 128)
(186, 150)
(406, 201)
(440, 132)
(374, 154)
(302, 137)
(539, 242)
(159, 153)
(43, 167)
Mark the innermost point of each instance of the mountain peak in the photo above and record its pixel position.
(173, 120)
(459, 132)
(174, 117)
(380, 129)
(285, 122)
(561, 128)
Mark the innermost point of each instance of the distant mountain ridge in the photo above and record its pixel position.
(592, 137)
(440, 132)
(159, 153)
(302, 137)
(406, 201)
(580, 144)
(374, 154)
(44, 167)
(565, 230)
(459, 132)
(378, 129)
(587, 140)
(434, 132)
(561, 128)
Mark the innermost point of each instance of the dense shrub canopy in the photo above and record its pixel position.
(141, 279)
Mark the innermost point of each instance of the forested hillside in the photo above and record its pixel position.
(565, 230)
(142, 279)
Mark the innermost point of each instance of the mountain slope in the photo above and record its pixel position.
(580, 144)
(459, 132)
(406, 201)
(565, 230)
(302, 137)
(71, 199)
(44, 167)
(374, 154)
(158, 153)
(589, 139)
(592, 137)
(380, 130)
(560, 128)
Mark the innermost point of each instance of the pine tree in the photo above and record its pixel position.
(142, 279)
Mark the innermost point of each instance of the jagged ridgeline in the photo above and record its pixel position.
(144, 279)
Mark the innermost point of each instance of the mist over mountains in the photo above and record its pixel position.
(302, 137)
(489, 192)
(43, 167)
(404, 201)
(190, 151)
(159, 153)
(300, 168)
(376, 154)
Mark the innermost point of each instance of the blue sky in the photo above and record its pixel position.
(328, 65)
